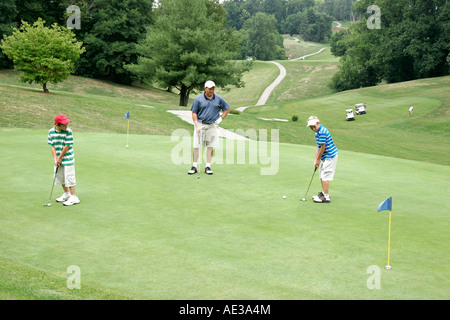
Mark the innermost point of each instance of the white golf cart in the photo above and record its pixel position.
(349, 116)
(360, 108)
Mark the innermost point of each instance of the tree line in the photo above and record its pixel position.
(411, 41)
(175, 43)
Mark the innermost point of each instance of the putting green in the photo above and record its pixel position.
(146, 229)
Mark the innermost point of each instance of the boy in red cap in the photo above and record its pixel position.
(60, 138)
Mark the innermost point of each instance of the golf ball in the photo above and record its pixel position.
(284, 197)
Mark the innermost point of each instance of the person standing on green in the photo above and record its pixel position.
(60, 138)
(325, 159)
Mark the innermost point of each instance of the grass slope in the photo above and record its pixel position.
(385, 130)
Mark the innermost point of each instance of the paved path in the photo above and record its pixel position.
(308, 55)
(266, 94)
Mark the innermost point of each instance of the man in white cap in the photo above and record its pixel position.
(325, 159)
(206, 116)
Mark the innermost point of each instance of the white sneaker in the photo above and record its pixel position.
(321, 198)
(71, 201)
(193, 170)
(63, 198)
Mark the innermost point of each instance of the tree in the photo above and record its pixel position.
(31, 11)
(277, 8)
(186, 46)
(8, 12)
(263, 37)
(315, 26)
(338, 43)
(110, 30)
(413, 42)
(42, 54)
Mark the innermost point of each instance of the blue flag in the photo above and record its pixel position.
(127, 115)
(385, 205)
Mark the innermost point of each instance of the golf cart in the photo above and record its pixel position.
(349, 116)
(360, 108)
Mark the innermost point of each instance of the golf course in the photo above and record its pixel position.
(145, 229)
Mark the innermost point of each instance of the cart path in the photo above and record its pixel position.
(266, 94)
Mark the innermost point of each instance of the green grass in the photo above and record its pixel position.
(306, 78)
(385, 130)
(263, 73)
(147, 230)
(296, 47)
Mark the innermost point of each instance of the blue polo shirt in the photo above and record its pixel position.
(208, 110)
(323, 137)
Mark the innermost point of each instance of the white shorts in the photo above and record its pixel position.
(327, 168)
(65, 176)
(209, 136)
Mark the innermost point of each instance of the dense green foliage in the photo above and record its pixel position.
(110, 31)
(311, 19)
(413, 42)
(186, 46)
(8, 11)
(264, 42)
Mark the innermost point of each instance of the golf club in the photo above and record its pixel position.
(49, 203)
(199, 154)
(304, 199)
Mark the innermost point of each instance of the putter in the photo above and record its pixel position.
(199, 154)
(49, 203)
(304, 199)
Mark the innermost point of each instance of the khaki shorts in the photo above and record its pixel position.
(327, 168)
(66, 176)
(209, 136)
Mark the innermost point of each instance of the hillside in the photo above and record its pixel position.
(386, 129)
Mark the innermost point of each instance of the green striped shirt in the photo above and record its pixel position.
(59, 140)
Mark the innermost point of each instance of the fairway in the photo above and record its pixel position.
(147, 230)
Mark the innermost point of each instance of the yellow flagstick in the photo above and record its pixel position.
(389, 242)
(128, 130)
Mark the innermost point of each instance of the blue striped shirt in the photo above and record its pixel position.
(323, 137)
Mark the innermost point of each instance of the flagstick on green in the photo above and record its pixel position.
(389, 242)
(387, 205)
(127, 116)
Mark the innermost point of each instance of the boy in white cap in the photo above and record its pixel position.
(206, 116)
(325, 159)
(60, 138)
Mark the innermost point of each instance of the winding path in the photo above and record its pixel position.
(266, 94)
